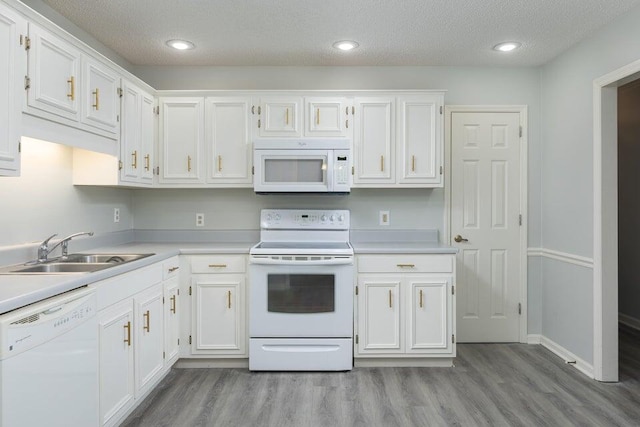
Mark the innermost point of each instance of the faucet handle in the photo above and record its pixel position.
(43, 250)
(46, 242)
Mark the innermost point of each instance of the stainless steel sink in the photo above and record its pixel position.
(102, 258)
(74, 264)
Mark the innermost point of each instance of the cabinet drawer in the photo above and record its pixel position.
(406, 263)
(218, 264)
(170, 268)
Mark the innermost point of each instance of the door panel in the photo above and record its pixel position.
(379, 327)
(485, 203)
(429, 305)
(373, 140)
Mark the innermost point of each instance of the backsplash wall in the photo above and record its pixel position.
(43, 200)
(176, 209)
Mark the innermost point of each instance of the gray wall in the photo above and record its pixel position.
(628, 200)
(567, 176)
(43, 201)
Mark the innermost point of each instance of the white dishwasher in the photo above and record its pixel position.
(49, 363)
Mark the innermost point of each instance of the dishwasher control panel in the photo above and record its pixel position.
(28, 327)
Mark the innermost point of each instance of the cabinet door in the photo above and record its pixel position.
(227, 136)
(374, 141)
(172, 320)
(116, 360)
(149, 337)
(12, 70)
(147, 137)
(54, 70)
(429, 328)
(379, 324)
(419, 140)
(101, 104)
(181, 139)
(130, 151)
(219, 315)
(280, 116)
(327, 117)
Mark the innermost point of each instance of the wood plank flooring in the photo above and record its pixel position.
(491, 385)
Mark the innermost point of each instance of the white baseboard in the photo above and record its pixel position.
(629, 321)
(534, 339)
(570, 358)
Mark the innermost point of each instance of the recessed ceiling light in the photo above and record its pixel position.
(345, 45)
(180, 44)
(507, 46)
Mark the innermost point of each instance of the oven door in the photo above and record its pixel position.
(306, 171)
(301, 299)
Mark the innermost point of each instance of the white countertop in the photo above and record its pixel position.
(19, 290)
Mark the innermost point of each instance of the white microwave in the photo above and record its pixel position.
(302, 166)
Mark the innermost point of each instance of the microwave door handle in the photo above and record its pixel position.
(329, 170)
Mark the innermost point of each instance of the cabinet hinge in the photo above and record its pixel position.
(353, 170)
(441, 109)
(519, 308)
(120, 92)
(258, 123)
(520, 219)
(189, 339)
(453, 290)
(163, 300)
(453, 339)
(356, 290)
(27, 82)
(441, 170)
(253, 170)
(156, 110)
(118, 118)
(164, 356)
(357, 340)
(178, 341)
(520, 132)
(189, 290)
(253, 109)
(19, 147)
(27, 42)
(157, 169)
(178, 292)
(119, 164)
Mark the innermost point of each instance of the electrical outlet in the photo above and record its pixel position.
(384, 218)
(199, 220)
(116, 214)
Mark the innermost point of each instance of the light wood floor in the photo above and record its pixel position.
(491, 385)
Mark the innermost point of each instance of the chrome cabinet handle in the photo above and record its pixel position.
(459, 239)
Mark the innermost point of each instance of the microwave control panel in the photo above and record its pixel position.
(341, 168)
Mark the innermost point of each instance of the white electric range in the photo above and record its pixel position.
(301, 296)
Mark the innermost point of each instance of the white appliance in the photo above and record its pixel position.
(49, 363)
(302, 166)
(301, 296)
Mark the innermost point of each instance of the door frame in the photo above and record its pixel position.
(524, 178)
(605, 219)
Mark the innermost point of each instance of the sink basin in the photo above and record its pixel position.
(73, 264)
(102, 258)
(61, 268)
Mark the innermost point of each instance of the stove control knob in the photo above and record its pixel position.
(340, 218)
(269, 217)
(277, 217)
(323, 218)
(332, 218)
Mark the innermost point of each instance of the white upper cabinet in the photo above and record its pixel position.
(373, 141)
(181, 140)
(227, 140)
(137, 135)
(279, 116)
(54, 73)
(418, 142)
(13, 28)
(328, 117)
(101, 106)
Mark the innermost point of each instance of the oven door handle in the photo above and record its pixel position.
(272, 261)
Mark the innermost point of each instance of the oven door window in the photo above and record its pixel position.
(301, 293)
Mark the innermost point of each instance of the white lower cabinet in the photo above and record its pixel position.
(405, 306)
(218, 306)
(135, 330)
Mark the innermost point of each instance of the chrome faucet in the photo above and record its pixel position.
(44, 250)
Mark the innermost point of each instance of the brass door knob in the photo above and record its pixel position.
(459, 239)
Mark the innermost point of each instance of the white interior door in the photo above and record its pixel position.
(485, 224)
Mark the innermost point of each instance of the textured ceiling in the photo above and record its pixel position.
(301, 32)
